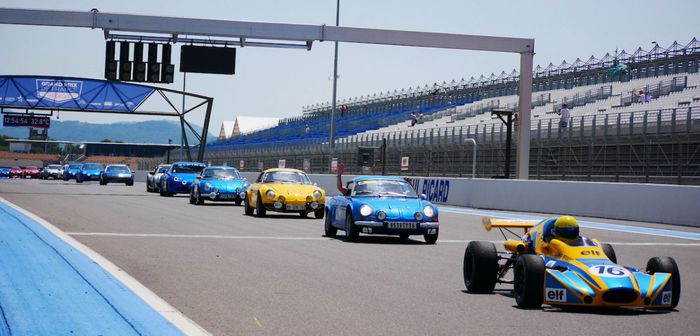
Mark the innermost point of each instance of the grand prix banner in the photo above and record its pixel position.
(46, 92)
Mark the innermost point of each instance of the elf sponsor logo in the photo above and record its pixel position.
(555, 294)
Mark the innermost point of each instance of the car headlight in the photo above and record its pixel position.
(245, 185)
(381, 215)
(317, 194)
(429, 211)
(207, 186)
(365, 210)
(270, 194)
(175, 178)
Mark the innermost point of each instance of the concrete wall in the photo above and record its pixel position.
(658, 203)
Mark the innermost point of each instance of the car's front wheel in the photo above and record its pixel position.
(319, 213)
(130, 182)
(260, 210)
(330, 230)
(351, 232)
(667, 265)
(199, 200)
(192, 200)
(303, 214)
(431, 238)
(480, 267)
(529, 281)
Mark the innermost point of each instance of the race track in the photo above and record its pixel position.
(239, 275)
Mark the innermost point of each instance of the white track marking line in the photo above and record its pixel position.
(444, 241)
(175, 317)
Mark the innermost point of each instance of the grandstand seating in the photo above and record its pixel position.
(589, 87)
(29, 156)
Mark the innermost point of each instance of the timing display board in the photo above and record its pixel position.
(12, 120)
(211, 60)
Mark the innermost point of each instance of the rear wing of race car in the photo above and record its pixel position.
(490, 223)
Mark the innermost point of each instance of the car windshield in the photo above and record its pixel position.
(31, 167)
(93, 166)
(75, 166)
(388, 188)
(286, 177)
(182, 169)
(162, 169)
(222, 173)
(54, 167)
(118, 169)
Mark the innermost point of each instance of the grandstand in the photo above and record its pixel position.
(614, 136)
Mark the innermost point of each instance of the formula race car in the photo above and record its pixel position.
(89, 172)
(117, 173)
(179, 178)
(71, 171)
(553, 265)
(381, 205)
(219, 183)
(284, 190)
(153, 177)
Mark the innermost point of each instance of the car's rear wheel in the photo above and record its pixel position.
(351, 232)
(260, 210)
(431, 238)
(529, 281)
(667, 265)
(609, 252)
(480, 267)
(330, 230)
(249, 210)
(319, 213)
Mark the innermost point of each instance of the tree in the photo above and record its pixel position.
(105, 140)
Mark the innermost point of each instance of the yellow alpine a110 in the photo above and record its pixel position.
(284, 190)
(553, 265)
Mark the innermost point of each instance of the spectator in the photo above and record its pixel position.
(414, 119)
(565, 114)
(640, 96)
(516, 122)
(307, 129)
(647, 98)
(420, 117)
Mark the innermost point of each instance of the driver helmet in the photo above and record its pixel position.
(566, 229)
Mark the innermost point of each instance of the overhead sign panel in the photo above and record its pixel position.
(70, 93)
(11, 120)
(212, 60)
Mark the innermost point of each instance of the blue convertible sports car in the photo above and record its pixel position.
(117, 173)
(381, 205)
(89, 172)
(219, 183)
(179, 178)
(71, 171)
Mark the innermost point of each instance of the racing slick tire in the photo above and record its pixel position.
(351, 232)
(319, 213)
(667, 265)
(529, 281)
(480, 267)
(609, 252)
(249, 210)
(303, 214)
(431, 239)
(260, 210)
(329, 230)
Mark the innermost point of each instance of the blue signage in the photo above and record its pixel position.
(46, 92)
(437, 190)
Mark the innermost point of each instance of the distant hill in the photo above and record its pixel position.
(155, 131)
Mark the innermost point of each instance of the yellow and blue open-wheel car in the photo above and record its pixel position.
(284, 190)
(552, 264)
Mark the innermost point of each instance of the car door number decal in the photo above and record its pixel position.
(609, 271)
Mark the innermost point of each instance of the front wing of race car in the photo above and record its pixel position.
(571, 288)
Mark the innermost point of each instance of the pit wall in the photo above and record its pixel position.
(669, 204)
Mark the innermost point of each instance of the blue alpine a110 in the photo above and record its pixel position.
(179, 177)
(72, 171)
(117, 173)
(219, 183)
(89, 172)
(381, 205)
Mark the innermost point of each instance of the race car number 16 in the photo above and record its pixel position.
(609, 271)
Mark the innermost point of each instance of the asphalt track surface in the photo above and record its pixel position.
(240, 275)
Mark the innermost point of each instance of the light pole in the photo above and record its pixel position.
(170, 141)
(335, 80)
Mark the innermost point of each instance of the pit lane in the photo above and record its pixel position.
(240, 275)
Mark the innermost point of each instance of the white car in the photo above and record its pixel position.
(153, 178)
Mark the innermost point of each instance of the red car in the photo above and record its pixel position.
(15, 172)
(30, 172)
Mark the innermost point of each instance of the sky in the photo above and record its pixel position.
(275, 82)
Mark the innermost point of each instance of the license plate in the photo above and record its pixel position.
(226, 196)
(401, 225)
(296, 207)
